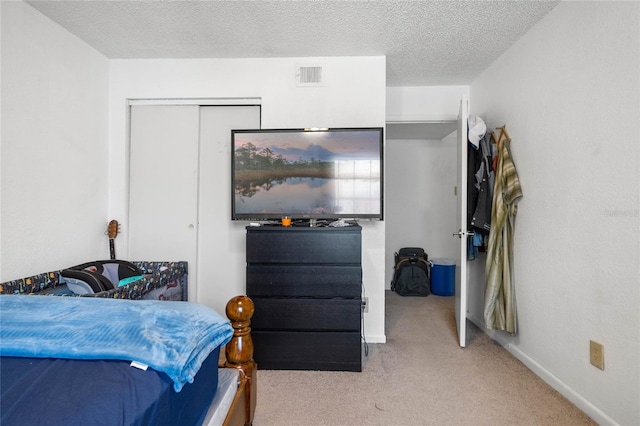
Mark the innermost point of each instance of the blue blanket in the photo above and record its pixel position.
(171, 337)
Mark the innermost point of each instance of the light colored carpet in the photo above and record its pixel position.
(419, 377)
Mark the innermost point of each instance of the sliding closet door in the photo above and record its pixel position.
(221, 242)
(180, 194)
(163, 192)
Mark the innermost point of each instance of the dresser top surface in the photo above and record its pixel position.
(280, 228)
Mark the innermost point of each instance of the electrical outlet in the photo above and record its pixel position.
(596, 354)
(365, 305)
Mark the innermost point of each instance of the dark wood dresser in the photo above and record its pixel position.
(306, 284)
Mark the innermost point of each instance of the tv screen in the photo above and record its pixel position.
(304, 174)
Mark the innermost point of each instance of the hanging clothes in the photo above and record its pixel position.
(500, 298)
(483, 188)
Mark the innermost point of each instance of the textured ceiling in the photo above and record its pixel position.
(425, 42)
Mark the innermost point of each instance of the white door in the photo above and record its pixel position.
(462, 278)
(163, 184)
(221, 241)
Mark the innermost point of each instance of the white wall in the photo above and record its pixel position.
(353, 95)
(54, 146)
(569, 94)
(424, 103)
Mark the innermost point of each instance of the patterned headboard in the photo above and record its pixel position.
(157, 275)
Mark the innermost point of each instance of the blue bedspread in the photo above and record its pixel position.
(171, 337)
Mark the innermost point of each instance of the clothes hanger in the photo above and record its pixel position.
(502, 135)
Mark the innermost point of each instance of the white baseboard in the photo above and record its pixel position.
(576, 399)
(376, 338)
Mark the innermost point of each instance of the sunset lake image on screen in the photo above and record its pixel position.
(308, 174)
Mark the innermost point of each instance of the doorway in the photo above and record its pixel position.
(420, 180)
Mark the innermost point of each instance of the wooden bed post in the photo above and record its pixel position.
(239, 350)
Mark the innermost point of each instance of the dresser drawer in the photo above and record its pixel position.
(306, 281)
(306, 314)
(304, 245)
(279, 350)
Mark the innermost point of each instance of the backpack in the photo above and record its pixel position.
(411, 275)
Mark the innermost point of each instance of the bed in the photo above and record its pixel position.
(132, 362)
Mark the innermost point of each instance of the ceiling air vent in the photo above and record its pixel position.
(310, 75)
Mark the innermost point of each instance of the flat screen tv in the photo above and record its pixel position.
(307, 174)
